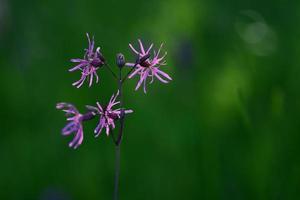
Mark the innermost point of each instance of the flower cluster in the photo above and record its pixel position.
(147, 65)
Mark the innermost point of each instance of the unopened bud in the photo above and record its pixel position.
(120, 60)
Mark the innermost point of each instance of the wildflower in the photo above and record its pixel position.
(107, 115)
(148, 67)
(75, 123)
(89, 65)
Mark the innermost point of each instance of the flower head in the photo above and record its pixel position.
(108, 115)
(88, 66)
(148, 67)
(74, 125)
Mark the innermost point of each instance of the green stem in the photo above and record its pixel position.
(117, 172)
(119, 139)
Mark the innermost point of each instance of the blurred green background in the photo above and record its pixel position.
(226, 127)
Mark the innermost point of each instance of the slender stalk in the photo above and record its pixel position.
(124, 79)
(117, 172)
(113, 137)
(122, 109)
(119, 139)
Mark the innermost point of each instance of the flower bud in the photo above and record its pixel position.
(120, 60)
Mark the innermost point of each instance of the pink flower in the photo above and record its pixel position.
(147, 66)
(74, 125)
(107, 115)
(89, 65)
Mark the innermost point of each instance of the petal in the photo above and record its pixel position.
(67, 107)
(77, 139)
(77, 60)
(79, 83)
(99, 106)
(159, 78)
(78, 86)
(149, 48)
(91, 43)
(92, 108)
(61, 105)
(163, 74)
(99, 130)
(97, 78)
(139, 83)
(70, 128)
(100, 126)
(87, 35)
(71, 118)
(141, 47)
(159, 49)
(77, 67)
(112, 124)
(130, 64)
(111, 105)
(143, 77)
(111, 99)
(114, 99)
(133, 49)
(161, 58)
(128, 111)
(91, 79)
(152, 79)
(138, 69)
(107, 130)
(145, 87)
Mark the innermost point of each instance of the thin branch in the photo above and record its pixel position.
(111, 71)
(124, 79)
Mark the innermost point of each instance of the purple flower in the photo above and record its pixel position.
(75, 123)
(107, 115)
(148, 67)
(89, 65)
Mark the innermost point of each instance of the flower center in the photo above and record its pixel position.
(145, 63)
(96, 62)
(112, 115)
